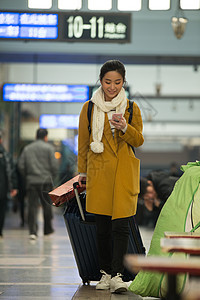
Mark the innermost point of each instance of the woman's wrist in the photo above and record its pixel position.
(83, 174)
(125, 128)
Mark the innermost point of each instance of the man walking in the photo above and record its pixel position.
(38, 165)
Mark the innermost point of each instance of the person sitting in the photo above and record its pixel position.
(162, 185)
(154, 191)
(148, 206)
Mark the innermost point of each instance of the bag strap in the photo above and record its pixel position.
(89, 113)
(130, 110)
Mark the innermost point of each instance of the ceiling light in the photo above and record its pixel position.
(99, 4)
(178, 25)
(40, 4)
(159, 4)
(69, 4)
(129, 5)
(191, 4)
(179, 22)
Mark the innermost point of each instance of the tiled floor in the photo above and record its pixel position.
(45, 268)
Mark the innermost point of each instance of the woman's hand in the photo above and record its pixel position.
(120, 125)
(82, 179)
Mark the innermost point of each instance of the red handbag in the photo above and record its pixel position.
(65, 192)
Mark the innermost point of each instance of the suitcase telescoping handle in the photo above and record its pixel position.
(75, 185)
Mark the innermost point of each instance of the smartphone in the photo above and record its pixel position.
(116, 117)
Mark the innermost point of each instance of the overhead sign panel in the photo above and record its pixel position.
(45, 92)
(97, 27)
(59, 121)
(28, 25)
(62, 26)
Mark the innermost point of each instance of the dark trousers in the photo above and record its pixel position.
(112, 243)
(34, 193)
(3, 207)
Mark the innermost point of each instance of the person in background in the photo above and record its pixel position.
(161, 184)
(20, 199)
(8, 182)
(175, 170)
(148, 206)
(68, 165)
(38, 165)
(108, 164)
(154, 191)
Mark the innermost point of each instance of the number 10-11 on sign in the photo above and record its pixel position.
(76, 27)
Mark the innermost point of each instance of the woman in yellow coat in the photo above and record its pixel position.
(108, 164)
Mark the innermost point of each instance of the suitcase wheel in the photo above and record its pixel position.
(86, 282)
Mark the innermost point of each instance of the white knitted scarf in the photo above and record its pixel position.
(100, 108)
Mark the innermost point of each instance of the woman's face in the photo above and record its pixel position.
(111, 83)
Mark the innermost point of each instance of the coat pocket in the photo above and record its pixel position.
(131, 178)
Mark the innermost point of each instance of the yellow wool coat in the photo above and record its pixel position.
(112, 176)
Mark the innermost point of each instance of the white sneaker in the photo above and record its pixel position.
(104, 283)
(117, 285)
(32, 237)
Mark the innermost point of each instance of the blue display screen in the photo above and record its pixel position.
(31, 32)
(28, 25)
(38, 19)
(45, 92)
(7, 18)
(59, 121)
(10, 31)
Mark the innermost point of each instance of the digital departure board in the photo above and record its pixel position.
(97, 27)
(59, 121)
(28, 25)
(45, 92)
(65, 27)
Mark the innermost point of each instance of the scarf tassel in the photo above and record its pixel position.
(97, 147)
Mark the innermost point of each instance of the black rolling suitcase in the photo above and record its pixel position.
(82, 233)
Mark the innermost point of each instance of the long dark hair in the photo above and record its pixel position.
(112, 65)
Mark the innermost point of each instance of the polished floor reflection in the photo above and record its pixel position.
(45, 268)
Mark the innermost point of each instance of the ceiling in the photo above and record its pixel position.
(152, 41)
